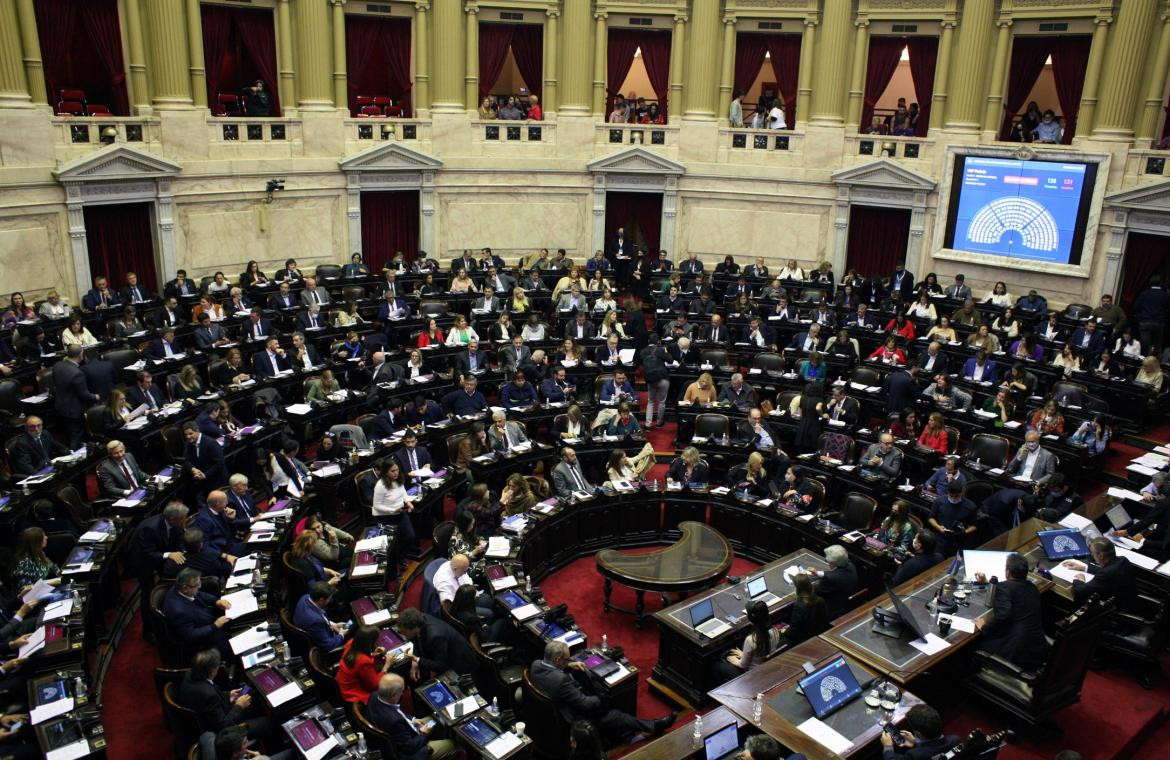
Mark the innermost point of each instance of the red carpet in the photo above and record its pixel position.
(131, 709)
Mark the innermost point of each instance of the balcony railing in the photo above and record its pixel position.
(93, 130)
(383, 129)
(654, 135)
(239, 130)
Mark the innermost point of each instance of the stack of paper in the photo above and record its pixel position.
(242, 603)
(498, 546)
(250, 639)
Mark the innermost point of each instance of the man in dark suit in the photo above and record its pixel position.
(134, 292)
(290, 273)
(283, 298)
(809, 340)
(393, 307)
(203, 458)
(838, 583)
(488, 301)
(1155, 527)
(170, 314)
(144, 391)
(514, 355)
(923, 741)
(901, 388)
(466, 262)
(310, 615)
(180, 286)
(119, 475)
(1015, 630)
(755, 432)
(738, 393)
(156, 540)
(437, 646)
(214, 708)
(557, 678)
(311, 319)
(1112, 575)
(257, 328)
(209, 334)
(71, 396)
(933, 360)
(423, 412)
(580, 328)
(841, 407)
(925, 557)
(411, 456)
(35, 449)
(100, 298)
(385, 423)
(409, 736)
(902, 281)
(471, 360)
(979, 368)
(1089, 339)
(717, 332)
(163, 347)
(271, 361)
(197, 556)
(759, 334)
(99, 375)
(216, 524)
(684, 351)
(195, 617)
(557, 388)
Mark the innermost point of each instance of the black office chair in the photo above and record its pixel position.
(1078, 312)
(990, 450)
(377, 739)
(497, 675)
(11, 417)
(353, 293)
(1139, 635)
(857, 511)
(716, 357)
(865, 376)
(784, 400)
(441, 537)
(712, 425)
(952, 438)
(162, 677)
(547, 727)
(979, 491)
(324, 675)
(327, 272)
(296, 584)
(768, 361)
(1034, 696)
(184, 721)
(298, 638)
(121, 358)
(1066, 393)
(432, 309)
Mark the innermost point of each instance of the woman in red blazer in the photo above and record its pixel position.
(889, 353)
(934, 435)
(362, 664)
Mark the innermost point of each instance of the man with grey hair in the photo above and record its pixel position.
(566, 683)
(1111, 576)
(738, 393)
(1156, 488)
(838, 583)
(409, 736)
(119, 475)
(1032, 463)
(156, 540)
(504, 435)
(195, 617)
(761, 747)
(881, 460)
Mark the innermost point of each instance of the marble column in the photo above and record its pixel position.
(471, 77)
(30, 43)
(552, 43)
(727, 67)
(311, 20)
(1089, 94)
(422, 61)
(831, 66)
(941, 72)
(600, 62)
(576, 90)
(968, 86)
(447, 34)
(1123, 68)
(340, 74)
(804, 76)
(284, 57)
(13, 80)
(136, 57)
(195, 45)
(678, 51)
(857, 78)
(1147, 122)
(993, 116)
(703, 64)
(169, 62)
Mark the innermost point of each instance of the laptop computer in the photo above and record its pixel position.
(1118, 517)
(1063, 544)
(599, 664)
(829, 688)
(757, 589)
(988, 563)
(722, 744)
(704, 621)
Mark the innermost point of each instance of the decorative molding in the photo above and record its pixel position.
(884, 174)
(636, 161)
(1152, 197)
(389, 157)
(116, 162)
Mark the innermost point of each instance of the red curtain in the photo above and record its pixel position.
(785, 52)
(637, 213)
(119, 240)
(81, 47)
(1028, 57)
(494, 41)
(1145, 256)
(389, 224)
(239, 47)
(923, 56)
(750, 49)
(377, 54)
(877, 239)
(884, 54)
(528, 50)
(655, 46)
(1069, 57)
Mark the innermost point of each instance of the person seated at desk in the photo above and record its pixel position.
(689, 468)
(760, 335)
(861, 318)
(214, 708)
(618, 389)
(755, 432)
(556, 677)
(623, 467)
(1018, 380)
(717, 332)
(557, 389)
(979, 368)
(1112, 576)
(897, 530)
(933, 360)
(701, 391)
(1093, 434)
(568, 476)
(624, 423)
(812, 369)
(195, 617)
(899, 326)
(301, 558)
(737, 393)
(210, 562)
(231, 371)
(282, 298)
(983, 339)
(1047, 420)
(1149, 375)
(1088, 339)
(904, 427)
(844, 346)
(391, 503)
(310, 615)
(797, 491)
(505, 435)
(208, 421)
(29, 561)
(838, 583)
(519, 393)
(1106, 366)
(451, 575)
(1015, 629)
(808, 341)
(784, 311)
(942, 331)
(513, 355)
(35, 449)
(437, 646)
(841, 407)
(924, 556)
(882, 460)
(412, 457)
(1027, 348)
(945, 395)
(750, 478)
(215, 520)
(1032, 462)
(517, 496)
(362, 665)
(467, 400)
(889, 353)
(761, 641)
(608, 354)
(1153, 530)
(934, 434)
(1068, 361)
(923, 741)
(952, 517)
(164, 347)
(967, 315)
(937, 483)
(409, 736)
(573, 424)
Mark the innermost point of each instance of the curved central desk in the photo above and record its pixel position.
(698, 560)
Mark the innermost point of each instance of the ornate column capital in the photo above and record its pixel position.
(1004, 23)
(730, 20)
(552, 12)
(811, 22)
(337, 2)
(471, 8)
(422, 6)
(861, 23)
(681, 18)
(600, 15)
(1104, 20)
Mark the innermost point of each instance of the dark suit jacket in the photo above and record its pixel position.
(919, 563)
(126, 295)
(422, 456)
(113, 481)
(1113, 580)
(93, 298)
(29, 457)
(205, 337)
(173, 290)
(71, 396)
(136, 397)
(1015, 630)
(940, 363)
(408, 744)
(312, 618)
(151, 540)
(247, 332)
(922, 750)
(217, 529)
(192, 622)
(163, 318)
(587, 329)
(835, 586)
(678, 470)
(440, 647)
(279, 301)
(156, 351)
(570, 699)
(99, 377)
(849, 411)
(210, 703)
(384, 424)
(263, 366)
(989, 369)
(209, 460)
(462, 361)
(901, 391)
(1096, 341)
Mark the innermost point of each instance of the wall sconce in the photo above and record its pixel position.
(109, 135)
(890, 149)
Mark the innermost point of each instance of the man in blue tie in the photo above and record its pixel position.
(241, 510)
(310, 615)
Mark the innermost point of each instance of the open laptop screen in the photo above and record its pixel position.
(830, 687)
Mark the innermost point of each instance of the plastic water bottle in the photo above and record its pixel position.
(362, 748)
(758, 707)
(285, 651)
(80, 690)
(697, 732)
(604, 642)
(256, 576)
(494, 710)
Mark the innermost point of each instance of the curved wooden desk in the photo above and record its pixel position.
(698, 560)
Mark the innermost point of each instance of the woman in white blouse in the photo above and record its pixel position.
(462, 283)
(1007, 323)
(461, 333)
(791, 271)
(922, 308)
(999, 296)
(605, 302)
(534, 329)
(610, 325)
(54, 306)
(1069, 359)
(76, 334)
(1127, 345)
(622, 467)
(573, 424)
(391, 503)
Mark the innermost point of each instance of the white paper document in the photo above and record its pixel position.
(298, 408)
(503, 744)
(498, 546)
(41, 713)
(243, 602)
(826, 736)
(1067, 574)
(290, 690)
(526, 611)
(363, 571)
(370, 544)
(1075, 521)
(247, 562)
(57, 610)
(468, 705)
(35, 643)
(40, 590)
(250, 639)
(376, 617)
(966, 625)
(79, 748)
(932, 644)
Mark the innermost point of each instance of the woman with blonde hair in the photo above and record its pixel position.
(1150, 374)
(516, 497)
(572, 278)
(54, 306)
(461, 334)
(321, 387)
(462, 283)
(519, 304)
(611, 326)
(701, 391)
(187, 386)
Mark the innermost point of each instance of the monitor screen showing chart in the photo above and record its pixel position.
(1032, 210)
